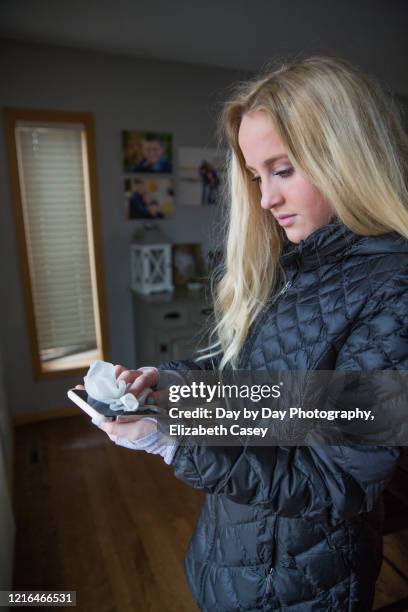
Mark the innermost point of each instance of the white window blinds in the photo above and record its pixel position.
(53, 177)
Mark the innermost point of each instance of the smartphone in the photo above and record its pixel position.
(95, 408)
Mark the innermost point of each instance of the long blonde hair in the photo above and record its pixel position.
(345, 135)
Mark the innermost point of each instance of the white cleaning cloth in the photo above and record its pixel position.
(101, 384)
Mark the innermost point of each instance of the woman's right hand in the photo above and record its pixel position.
(138, 379)
(141, 379)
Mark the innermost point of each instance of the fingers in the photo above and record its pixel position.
(159, 398)
(138, 428)
(147, 378)
(106, 426)
(122, 418)
(97, 420)
(119, 369)
(129, 376)
(139, 379)
(79, 387)
(112, 427)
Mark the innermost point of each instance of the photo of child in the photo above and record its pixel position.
(148, 198)
(147, 152)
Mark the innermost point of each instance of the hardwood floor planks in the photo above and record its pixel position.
(114, 524)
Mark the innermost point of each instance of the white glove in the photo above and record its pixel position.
(132, 434)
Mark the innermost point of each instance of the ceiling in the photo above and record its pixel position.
(238, 34)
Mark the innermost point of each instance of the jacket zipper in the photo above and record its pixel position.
(269, 579)
(286, 285)
(271, 572)
(284, 289)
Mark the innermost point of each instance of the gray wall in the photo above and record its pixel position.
(122, 93)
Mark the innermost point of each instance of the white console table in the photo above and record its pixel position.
(170, 325)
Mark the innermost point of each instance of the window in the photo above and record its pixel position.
(52, 163)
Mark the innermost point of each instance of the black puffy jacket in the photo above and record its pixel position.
(299, 528)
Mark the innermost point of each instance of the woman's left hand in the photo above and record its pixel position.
(131, 428)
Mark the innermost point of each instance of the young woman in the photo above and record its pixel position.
(317, 221)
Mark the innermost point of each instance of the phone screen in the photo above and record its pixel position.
(104, 409)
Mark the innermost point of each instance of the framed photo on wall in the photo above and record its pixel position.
(149, 197)
(201, 173)
(147, 152)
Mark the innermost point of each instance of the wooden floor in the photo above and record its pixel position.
(114, 524)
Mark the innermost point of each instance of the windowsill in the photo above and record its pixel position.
(73, 362)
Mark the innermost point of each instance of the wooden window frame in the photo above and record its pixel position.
(11, 117)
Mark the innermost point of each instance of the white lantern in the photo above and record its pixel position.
(150, 263)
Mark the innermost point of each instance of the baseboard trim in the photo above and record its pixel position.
(45, 415)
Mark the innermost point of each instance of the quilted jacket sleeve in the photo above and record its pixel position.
(208, 363)
(305, 480)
